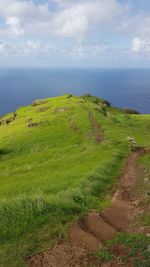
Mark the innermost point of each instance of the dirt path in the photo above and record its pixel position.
(89, 233)
(97, 130)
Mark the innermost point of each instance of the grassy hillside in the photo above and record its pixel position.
(58, 158)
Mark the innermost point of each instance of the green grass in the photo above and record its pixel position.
(104, 255)
(145, 190)
(54, 172)
(136, 247)
(125, 248)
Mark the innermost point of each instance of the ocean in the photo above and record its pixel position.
(125, 88)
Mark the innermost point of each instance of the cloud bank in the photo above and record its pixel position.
(74, 30)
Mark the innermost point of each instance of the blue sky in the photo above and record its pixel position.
(75, 33)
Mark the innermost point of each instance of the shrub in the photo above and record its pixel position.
(87, 95)
(106, 103)
(130, 111)
(38, 103)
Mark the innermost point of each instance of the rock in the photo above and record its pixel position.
(43, 109)
(61, 110)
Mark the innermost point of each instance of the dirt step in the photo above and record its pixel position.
(117, 218)
(95, 224)
(62, 255)
(83, 239)
(122, 205)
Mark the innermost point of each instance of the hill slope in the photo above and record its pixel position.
(58, 158)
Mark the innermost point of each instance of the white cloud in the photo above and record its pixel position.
(2, 46)
(141, 45)
(14, 25)
(71, 18)
(77, 19)
(22, 8)
(38, 49)
(33, 45)
(74, 29)
(35, 48)
(21, 14)
(136, 44)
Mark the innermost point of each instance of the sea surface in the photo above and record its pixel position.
(126, 88)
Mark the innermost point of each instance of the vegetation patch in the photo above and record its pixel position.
(38, 102)
(133, 249)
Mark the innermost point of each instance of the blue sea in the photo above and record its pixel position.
(125, 88)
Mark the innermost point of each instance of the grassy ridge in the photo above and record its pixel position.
(55, 170)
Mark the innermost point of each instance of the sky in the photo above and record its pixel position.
(75, 33)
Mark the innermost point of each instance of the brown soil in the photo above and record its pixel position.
(97, 226)
(97, 130)
(89, 233)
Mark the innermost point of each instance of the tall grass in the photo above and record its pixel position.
(25, 213)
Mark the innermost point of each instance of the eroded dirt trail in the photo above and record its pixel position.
(89, 233)
(97, 130)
